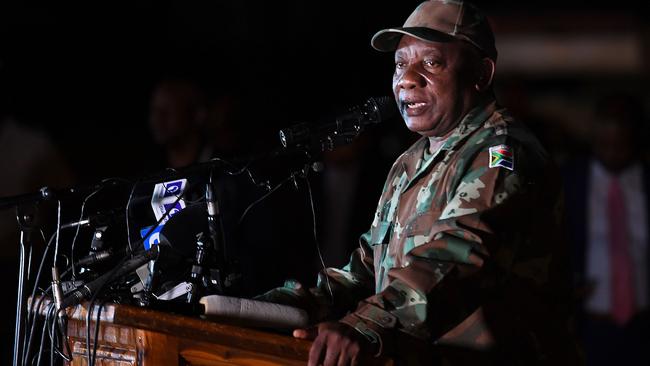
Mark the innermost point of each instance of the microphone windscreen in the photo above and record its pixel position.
(386, 108)
(254, 313)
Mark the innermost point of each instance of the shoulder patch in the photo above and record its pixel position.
(502, 156)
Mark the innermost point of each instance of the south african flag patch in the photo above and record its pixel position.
(502, 155)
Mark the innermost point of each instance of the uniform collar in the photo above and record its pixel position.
(474, 119)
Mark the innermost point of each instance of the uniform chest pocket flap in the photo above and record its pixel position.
(420, 225)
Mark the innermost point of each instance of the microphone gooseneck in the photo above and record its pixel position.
(343, 129)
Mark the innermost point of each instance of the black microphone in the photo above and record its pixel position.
(95, 257)
(98, 219)
(91, 288)
(74, 224)
(69, 286)
(343, 130)
(57, 293)
(213, 211)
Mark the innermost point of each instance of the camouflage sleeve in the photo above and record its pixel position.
(451, 260)
(337, 291)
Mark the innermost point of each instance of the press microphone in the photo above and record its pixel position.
(214, 225)
(91, 288)
(343, 130)
(81, 223)
(69, 286)
(57, 293)
(99, 219)
(95, 257)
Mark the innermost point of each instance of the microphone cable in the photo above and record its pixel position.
(31, 314)
(74, 238)
(320, 254)
(264, 196)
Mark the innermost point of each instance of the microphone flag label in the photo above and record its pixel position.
(164, 202)
(163, 198)
(152, 239)
(171, 189)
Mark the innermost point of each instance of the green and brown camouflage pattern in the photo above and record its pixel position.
(451, 235)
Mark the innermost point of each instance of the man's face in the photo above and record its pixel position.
(614, 144)
(173, 115)
(433, 85)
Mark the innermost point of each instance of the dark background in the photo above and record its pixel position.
(82, 73)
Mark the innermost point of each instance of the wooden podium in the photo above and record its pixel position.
(131, 335)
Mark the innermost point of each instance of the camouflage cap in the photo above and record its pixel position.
(441, 21)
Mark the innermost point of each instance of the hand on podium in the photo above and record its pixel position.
(336, 343)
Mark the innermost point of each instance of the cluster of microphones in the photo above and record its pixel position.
(210, 270)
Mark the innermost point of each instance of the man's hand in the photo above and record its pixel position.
(335, 344)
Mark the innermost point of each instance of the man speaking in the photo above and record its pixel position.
(464, 260)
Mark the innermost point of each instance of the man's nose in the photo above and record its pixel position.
(411, 79)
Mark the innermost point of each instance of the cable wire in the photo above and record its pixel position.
(126, 217)
(76, 233)
(31, 313)
(241, 219)
(58, 231)
(320, 254)
(94, 354)
(43, 332)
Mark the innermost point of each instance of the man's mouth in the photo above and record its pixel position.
(413, 108)
(415, 104)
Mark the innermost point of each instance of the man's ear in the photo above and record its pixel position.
(486, 69)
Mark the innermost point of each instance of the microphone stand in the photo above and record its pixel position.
(26, 205)
(25, 217)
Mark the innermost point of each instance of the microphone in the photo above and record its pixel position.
(82, 223)
(343, 130)
(57, 293)
(254, 313)
(69, 286)
(91, 288)
(213, 220)
(95, 257)
(99, 219)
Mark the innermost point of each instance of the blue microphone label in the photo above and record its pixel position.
(152, 239)
(165, 198)
(173, 188)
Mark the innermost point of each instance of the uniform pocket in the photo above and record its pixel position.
(421, 224)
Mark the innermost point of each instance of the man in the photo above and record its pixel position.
(460, 263)
(608, 195)
(177, 119)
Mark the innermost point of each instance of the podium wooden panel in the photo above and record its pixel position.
(131, 335)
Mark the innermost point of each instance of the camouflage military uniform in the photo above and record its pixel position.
(455, 233)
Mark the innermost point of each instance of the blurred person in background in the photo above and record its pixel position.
(223, 126)
(177, 120)
(607, 201)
